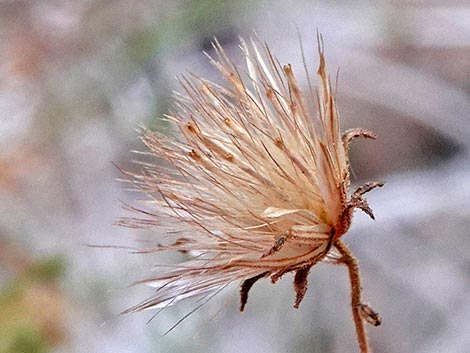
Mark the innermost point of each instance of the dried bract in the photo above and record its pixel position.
(255, 183)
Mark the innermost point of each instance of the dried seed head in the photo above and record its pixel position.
(258, 179)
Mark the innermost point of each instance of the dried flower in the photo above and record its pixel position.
(256, 183)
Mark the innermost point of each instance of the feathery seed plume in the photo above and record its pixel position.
(256, 183)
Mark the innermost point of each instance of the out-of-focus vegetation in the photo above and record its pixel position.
(32, 305)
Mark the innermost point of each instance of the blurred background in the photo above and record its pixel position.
(78, 77)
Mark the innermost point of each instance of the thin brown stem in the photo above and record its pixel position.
(356, 290)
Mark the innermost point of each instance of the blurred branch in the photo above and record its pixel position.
(409, 92)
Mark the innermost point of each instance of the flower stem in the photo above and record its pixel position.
(356, 290)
